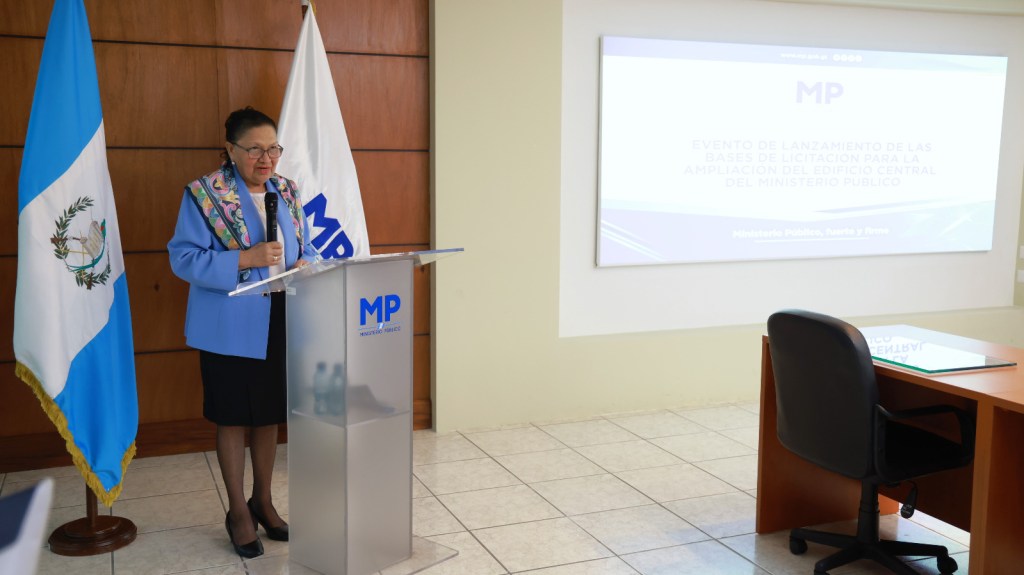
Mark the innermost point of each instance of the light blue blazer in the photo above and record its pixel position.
(214, 321)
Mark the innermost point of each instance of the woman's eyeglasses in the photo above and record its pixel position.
(257, 152)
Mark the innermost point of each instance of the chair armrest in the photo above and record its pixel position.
(964, 418)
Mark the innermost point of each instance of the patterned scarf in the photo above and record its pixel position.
(216, 195)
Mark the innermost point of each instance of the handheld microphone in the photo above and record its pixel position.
(270, 204)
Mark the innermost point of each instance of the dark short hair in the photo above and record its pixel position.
(241, 121)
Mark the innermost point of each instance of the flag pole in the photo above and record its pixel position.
(93, 534)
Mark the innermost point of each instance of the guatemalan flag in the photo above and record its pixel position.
(72, 325)
(317, 154)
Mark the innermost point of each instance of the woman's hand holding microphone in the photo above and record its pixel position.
(263, 254)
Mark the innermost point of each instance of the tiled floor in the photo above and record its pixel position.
(665, 492)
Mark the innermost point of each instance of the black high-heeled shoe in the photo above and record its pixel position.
(249, 550)
(275, 533)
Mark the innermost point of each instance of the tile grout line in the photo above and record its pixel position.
(473, 535)
(615, 554)
(661, 504)
(655, 502)
(470, 532)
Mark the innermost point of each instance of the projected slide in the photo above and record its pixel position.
(724, 152)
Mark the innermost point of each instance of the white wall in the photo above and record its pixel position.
(498, 356)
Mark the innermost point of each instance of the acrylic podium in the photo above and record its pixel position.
(350, 329)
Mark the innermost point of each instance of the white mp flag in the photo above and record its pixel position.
(317, 153)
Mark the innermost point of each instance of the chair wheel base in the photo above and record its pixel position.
(797, 546)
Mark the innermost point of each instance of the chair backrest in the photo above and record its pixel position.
(826, 392)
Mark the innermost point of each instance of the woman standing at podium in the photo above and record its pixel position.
(220, 242)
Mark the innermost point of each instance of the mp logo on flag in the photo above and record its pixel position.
(316, 212)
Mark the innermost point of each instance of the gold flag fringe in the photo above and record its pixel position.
(57, 417)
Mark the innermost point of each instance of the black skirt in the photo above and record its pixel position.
(245, 391)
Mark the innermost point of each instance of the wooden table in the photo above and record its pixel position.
(985, 498)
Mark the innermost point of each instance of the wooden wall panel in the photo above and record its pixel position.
(259, 23)
(20, 412)
(421, 291)
(363, 26)
(20, 66)
(148, 188)
(421, 369)
(372, 26)
(158, 21)
(169, 386)
(367, 26)
(8, 281)
(25, 18)
(158, 300)
(254, 78)
(395, 187)
(10, 167)
(180, 22)
(134, 93)
(159, 95)
(385, 101)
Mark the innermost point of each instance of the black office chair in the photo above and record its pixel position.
(828, 414)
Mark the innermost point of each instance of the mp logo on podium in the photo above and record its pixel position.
(380, 309)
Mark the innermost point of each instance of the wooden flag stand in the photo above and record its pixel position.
(93, 534)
